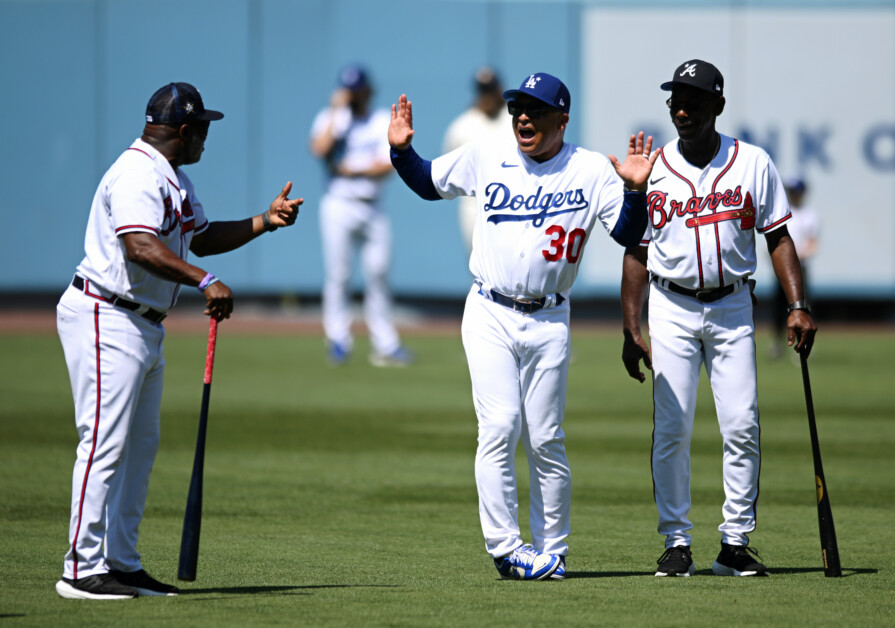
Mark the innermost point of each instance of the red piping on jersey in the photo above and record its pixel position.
(736, 150)
(140, 150)
(692, 194)
(123, 227)
(771, 226)
(74, 543)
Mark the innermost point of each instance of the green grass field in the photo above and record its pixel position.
(338, 497)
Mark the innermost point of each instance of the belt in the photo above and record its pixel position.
(153, 315)
(706, 296)
(526, 306)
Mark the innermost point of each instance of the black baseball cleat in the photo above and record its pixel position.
(676, 561)
(738, 560)
(144, 583)
(98, 587)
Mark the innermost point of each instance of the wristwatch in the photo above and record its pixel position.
(799, 305)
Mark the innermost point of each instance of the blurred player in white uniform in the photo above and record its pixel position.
(708, 195)
(804, 228)
(351, 140)
(144, 220)
(486, 120)
(538, 201)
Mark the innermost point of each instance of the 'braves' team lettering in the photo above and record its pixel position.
(538, 201)
(708, 195)
(688, 215)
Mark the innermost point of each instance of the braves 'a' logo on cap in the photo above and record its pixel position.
(690, 69)
(532, 81)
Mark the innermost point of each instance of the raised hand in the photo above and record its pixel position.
(283, 211)
(400, 129)
(638, 164)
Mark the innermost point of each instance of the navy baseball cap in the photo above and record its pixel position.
(178, 103)
(486, 80)
(697, 73)
(545, 88)
(795, 184)
(354, 77)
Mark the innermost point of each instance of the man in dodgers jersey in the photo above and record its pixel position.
(350, 138)
(708, 195)
(537, 202)
(144, 219)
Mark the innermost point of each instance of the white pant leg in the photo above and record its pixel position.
(730, 364)
(133, 481)
(337, 226)
(375, 261)
(675, 328)
(494, 372)
(544, 360)
(108, 353)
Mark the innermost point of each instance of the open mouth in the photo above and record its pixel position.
(526, 133)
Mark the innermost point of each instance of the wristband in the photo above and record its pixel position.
(265, 219)
(630, 191)
(801, 304)
(207, 280)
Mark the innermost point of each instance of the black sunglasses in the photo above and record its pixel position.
(689, 105)
(532, 110)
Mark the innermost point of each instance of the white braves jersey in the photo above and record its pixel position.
(703, 220)
(360, 144)
(140, 192)
(533, 218)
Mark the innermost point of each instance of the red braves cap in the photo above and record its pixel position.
(178, 103)
(545, 88)
(697, 73)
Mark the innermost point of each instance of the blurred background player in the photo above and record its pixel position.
(486, 118)
(804, 229)
(351, 140)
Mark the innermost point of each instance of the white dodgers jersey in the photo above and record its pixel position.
(533, 218)
(703, 220)
(140, 192)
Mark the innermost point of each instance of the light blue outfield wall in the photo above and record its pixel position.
(76, 76)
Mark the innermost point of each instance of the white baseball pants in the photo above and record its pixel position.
(116, 366)
(345, 224)
(519, 367)
(685, 334)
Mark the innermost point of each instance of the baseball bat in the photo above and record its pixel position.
(192, 518)
(829, 547)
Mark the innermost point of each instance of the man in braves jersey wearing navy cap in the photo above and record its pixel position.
(144, 220)
(708, 196)
(538, 200)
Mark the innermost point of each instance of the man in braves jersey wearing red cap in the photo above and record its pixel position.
(144, 220)
(708, 195)
(538, 199)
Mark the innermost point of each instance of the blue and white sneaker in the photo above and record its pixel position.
(560, 573)
(398, 357)
(526, 563)
(337, 354)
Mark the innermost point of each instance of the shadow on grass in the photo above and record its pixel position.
(708, 572)
(281, 590)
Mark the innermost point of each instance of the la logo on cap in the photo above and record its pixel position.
(532, 81)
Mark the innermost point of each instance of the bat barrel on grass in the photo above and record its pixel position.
(192, 518)
(828, 544)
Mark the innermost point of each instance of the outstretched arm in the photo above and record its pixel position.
(222, 236)
(415, 171)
